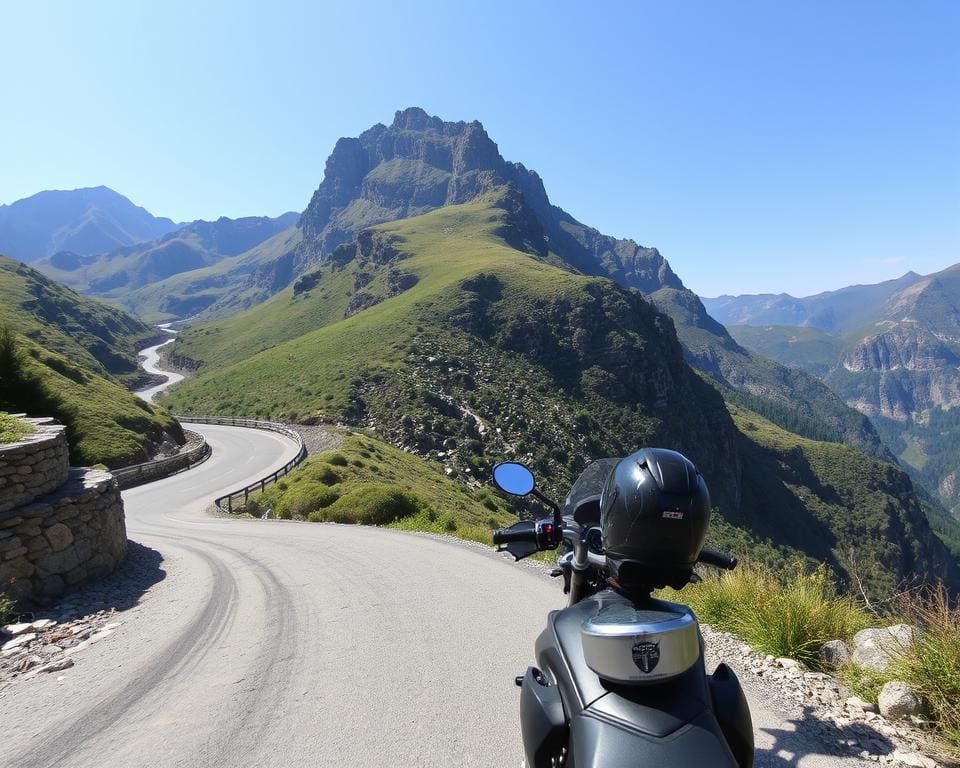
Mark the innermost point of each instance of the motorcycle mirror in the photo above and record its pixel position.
(514, 478)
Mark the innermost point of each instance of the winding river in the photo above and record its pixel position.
(149, 359)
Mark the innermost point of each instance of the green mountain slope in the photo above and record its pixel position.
(420, 163)
(69, 357)
(105, 423)
(791, 398)
(836, 505)
(443, 337)
(804, 347)
(97, 337)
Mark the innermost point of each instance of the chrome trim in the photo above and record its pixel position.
(636, 623)
(640, 647)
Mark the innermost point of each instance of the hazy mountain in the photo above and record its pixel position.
(84, 221)
(194, 246)
(897, 361)
(832, 311)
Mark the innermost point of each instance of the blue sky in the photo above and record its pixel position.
(760, 146)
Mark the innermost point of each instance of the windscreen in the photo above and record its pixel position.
(590, 483)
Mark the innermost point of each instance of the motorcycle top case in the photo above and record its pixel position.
(641, 647)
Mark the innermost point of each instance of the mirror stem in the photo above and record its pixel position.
(557, 518)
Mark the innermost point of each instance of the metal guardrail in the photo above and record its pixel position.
(225, 503)
(135, 474)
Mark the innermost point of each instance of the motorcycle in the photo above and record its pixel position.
(620, 678)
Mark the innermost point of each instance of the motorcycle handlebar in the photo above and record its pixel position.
(717, 559)
(506, 536)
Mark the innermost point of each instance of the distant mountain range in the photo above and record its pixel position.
(83, 221)
(193, 246)
(890, 350)
(835, 312)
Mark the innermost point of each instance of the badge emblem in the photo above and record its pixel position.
(646, 655)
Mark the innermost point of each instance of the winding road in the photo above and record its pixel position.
(270, 643)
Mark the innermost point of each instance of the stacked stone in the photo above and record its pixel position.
(68, 529)
(34, 466)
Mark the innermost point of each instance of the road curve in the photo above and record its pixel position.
(299, 644)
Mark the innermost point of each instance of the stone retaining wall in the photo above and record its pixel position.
(35, 466)
(53, 542)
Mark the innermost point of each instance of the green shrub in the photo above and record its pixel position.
(323, 474)
(337, 459)
(374, 504)
(307, 498)
(789, 614)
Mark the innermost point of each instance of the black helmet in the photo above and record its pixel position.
(654, 512)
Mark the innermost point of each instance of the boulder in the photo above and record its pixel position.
(834, 654)
(897, 700)
(875, 648)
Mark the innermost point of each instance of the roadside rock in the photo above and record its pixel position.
(913, 760)
(875, 648)
(18, 641)
(49, 640)
(897, 701)
(855, 702)
(834, 654)
(16, 629)
(847, 725)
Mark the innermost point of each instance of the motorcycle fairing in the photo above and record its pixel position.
(614, 725)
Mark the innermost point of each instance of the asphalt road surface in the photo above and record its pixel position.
(272, 643)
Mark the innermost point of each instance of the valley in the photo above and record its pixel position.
(890, 350)
(433, 296)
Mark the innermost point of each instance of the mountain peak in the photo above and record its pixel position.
(420, 162)
(415, 119)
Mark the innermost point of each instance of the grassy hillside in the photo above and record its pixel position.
(455, 346)
(97, 337)
(370, 482)
(12, 429)
(105, 423)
